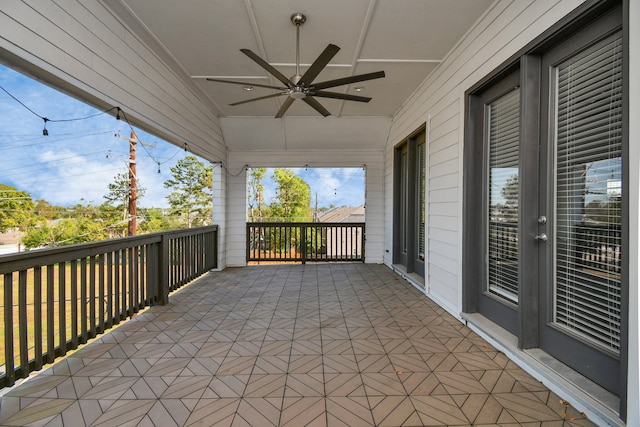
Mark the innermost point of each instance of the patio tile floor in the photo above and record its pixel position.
(291, 345)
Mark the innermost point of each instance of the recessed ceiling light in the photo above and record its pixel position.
(358, 88)
(247, 88)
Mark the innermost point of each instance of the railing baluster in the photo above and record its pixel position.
(142, 279)
(125, 286)
(37, 315)
(62, 307)
(101, 294)
(22, 321)
(84, 328)
(132, 280)
(73, 300)
(92, 296)
(10, 376)
(116, 287)
(109, 284)
(50, 314)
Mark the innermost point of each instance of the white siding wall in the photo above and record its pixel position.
(98, 59)
(374, 196)
(504, 29)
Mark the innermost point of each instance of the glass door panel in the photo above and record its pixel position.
(503, 124)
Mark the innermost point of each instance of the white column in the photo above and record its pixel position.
(219, 193)
(237, 217)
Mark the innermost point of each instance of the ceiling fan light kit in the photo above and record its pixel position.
(302, 86)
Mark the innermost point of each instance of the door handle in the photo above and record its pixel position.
(541, 237)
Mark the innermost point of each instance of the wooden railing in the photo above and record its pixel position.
(53, 300)
(305, 241)
(598, 248)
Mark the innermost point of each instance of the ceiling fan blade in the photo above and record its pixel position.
(285, 107)
(245, 83)
(347, 80)
(264, 64)
(335, 95)
(258, 99)
(316, 106)
(318, 65)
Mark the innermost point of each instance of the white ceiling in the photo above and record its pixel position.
(406, 39)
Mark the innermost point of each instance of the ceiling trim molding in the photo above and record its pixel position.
(400, 61)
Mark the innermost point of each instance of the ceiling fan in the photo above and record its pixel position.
(302, 86)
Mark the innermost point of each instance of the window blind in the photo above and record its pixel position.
(588, 184)
(422, 171)
(503, 135)
(404, 200)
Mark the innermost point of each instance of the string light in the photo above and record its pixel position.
(120, 114)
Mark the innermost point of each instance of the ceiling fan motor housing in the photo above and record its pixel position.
(297, 92)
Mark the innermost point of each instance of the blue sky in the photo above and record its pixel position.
(79, 158)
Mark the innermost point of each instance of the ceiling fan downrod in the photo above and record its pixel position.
(297, 19)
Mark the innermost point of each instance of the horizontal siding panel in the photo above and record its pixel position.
(452, 124)
(444, 295)
(446, 113)
(444, 168)
(447, 154)
(442, 279)
(444, 181)
(444, 255)
(444, 236)
(443, 222)
(443, 195)
(445, 208)
(445, 141)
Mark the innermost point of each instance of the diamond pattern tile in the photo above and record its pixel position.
(288, 345)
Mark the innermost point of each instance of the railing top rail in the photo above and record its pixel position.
(39, 257)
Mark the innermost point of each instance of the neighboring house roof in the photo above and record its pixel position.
(344, 214)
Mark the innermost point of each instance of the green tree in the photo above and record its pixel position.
(111, 217)
(119, 193)
(293, 197)
(255, 193)
(67, 231)
(510, 193)
(47, 211)
(191, 181)
(16, 208)
(155, 220)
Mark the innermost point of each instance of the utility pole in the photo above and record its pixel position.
(133, 179)
(133, 188)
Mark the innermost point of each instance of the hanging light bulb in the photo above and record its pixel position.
(158, 167)
(45, 132)
(118, 113)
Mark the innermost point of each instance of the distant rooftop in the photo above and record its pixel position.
(344, 214)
